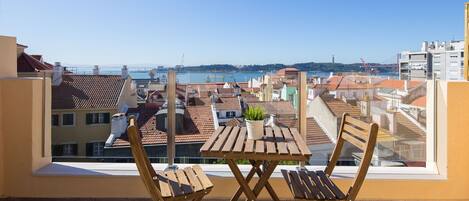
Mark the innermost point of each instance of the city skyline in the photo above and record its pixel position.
(238, 33)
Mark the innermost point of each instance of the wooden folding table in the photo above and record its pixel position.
(277, 144)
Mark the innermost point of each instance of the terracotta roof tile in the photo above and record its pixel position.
(339, 107)
(275, 107)
(87, 92)
(314, 136)
(398, 84)
(233, 122)
(198, 127)
(27, 63)
(249, 97)
(420, 102)
(285, 71)
(228, 103)
(225, 90)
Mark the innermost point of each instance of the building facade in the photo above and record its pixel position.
(82, 106)
(444, 59)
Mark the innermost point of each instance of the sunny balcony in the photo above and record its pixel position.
(420, 151)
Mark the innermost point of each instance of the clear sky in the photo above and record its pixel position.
(133, 32)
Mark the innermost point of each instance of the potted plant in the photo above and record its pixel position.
(254, 122)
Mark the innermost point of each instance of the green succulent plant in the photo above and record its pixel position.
(254, 114)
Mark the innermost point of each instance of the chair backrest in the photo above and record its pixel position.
(362, 135)
(147, 173)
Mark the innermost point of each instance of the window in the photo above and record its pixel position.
(70, 149)
(218, 114)
(95, 149)
(55, 120)
(230, 114)
(65, 150)
(68, 119)
(98, 118)
(462, 54)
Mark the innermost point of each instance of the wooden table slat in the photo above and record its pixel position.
(277, 144)
(231, 139)
(249, 146)
(292, 147)
(260, 146)
(270, 141)
(300, 142)
(208, 144)
(221, 139)
(240, 140)
(280, 141)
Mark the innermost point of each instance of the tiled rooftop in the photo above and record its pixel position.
(420, 101)
(28, 63)
(87, 92)
(398, 84)
(198, 125)
(228, 103)
(338, 108)
(225, 90)
(314, 134)
(275, 107)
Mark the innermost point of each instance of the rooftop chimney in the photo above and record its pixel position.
(125, 72)
(96, 70)
(57, 74)
(118, 127)
(406, 85)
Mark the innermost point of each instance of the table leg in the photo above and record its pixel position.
(239, 177)
(255, 167)
(269, 188)
(265, 177)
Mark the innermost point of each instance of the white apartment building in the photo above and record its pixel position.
(445, 59)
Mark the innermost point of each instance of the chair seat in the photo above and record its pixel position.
(312, 185)
(185, 183)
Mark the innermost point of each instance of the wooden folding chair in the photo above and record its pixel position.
(189, 183)
(317, 185)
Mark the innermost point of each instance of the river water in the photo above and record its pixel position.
(197, 77)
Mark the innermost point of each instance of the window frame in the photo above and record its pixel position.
(230, 112)
(98, 118)
(93, 143)
(64, 145)
(58, 119)
(62, 119)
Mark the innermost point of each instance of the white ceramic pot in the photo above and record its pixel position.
(255, 129)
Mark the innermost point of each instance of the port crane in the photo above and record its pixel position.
(366, 67)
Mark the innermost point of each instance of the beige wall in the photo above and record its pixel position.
(128, 96)
(7, 57)
(22, 160)
(81, 133)
(1, 148)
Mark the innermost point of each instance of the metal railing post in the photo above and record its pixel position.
(171, 131)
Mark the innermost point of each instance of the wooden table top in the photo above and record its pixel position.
(277, 144)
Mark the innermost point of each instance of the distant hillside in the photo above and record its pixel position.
(310, 66)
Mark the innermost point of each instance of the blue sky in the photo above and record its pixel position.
(114, 32)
